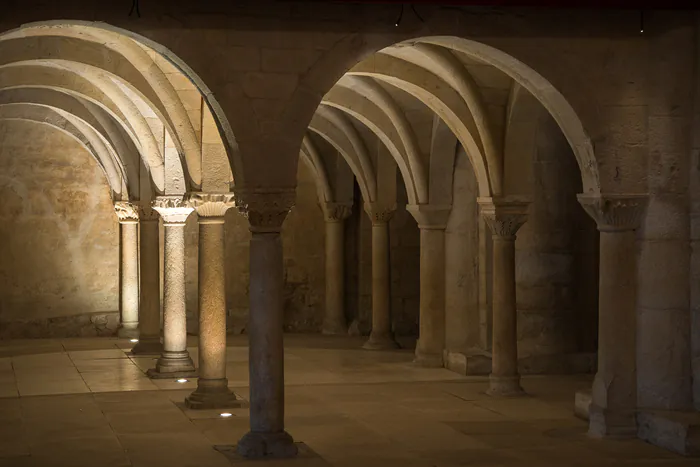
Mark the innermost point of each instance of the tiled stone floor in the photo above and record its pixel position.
(84, 402)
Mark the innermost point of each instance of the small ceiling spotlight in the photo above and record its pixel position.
(133, 340)
(182, 380)
(226, 415)
(641, 21)
(398, 20)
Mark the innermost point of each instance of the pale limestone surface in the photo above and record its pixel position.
(96, 405)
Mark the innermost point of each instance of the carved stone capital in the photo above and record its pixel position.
(147, 213)
(173, 209)
(211, 207)
(336, 212)
(379, 214)
(615, 212)
(265, 209)
(504, 216)
(127, 212)
(430, 217)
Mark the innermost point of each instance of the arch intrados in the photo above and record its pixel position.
(116, 184)
(222, 122)
(552, 100)
(319, 169)
(488, 186)
(389, 144)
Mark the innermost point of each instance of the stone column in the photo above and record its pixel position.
(149, 293)
(614, 393)
(266, 211)
(504, 216)
(334, 319)
(382, 336)
(175, 361)
(212, 386)
(128, 269)
(432, 221)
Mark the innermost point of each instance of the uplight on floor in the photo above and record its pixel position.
(182, 380)
(225, 415)
(133, 340)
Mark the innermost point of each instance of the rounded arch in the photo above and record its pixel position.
(354, 49)
(132, 50)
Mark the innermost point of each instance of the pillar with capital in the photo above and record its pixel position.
(149, 291)
(504, 216)
(382, 335)
(128, 269)
(266, 211)
(334, 320)
(432, 221)
(614, 392)
(212, 385)
(175, 361)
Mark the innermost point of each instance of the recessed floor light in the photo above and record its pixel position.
(226, 415)
(133, 340)
(182, 380)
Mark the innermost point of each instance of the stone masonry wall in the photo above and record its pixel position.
(59, 263)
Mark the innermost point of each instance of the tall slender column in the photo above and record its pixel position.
(128, 269)
(149, 293)
(175, 361)
(382, 336)
(504, 216)
(266, 211)
(614, 393)
(432, 221)
(334, 319)
(212, 386)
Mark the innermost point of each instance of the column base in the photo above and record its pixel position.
(128, 331)
(147, 346)
(505, 386)
(334, 329)
(213, 394)
(173, 365)
(604, 423)
(381, 342)
(428, 360)
(260, 445)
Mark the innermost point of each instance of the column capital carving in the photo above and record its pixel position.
(379, 214)
(127, 212)
(430, 216)
(147, 213)
(336, 212)
(211, 205)
(173, 209)
(266, 208)
(615, 212)
(504, 215)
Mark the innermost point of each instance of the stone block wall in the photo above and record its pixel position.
(59, 254)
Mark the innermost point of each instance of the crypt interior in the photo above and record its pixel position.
(348, 234)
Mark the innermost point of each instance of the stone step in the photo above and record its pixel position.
(673, 430)
(475, 364)
(582, 403)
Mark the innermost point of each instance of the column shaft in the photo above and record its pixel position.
(129, 279)
(334, 320)
(149, 294)
(504, 361)
(431, 340)
(614, 393)
(382, 336)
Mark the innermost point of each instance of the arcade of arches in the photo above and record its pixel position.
(472, 194)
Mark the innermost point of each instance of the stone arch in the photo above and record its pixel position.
(136, 66)
(312, 157)
(352, 50)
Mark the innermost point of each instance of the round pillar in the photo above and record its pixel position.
(266, 212)
(128, 269)
(149, 294)
(614, 392)
(212, 385)
(175, 361)
(382, 336)
(334, 321)
(504, 216)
